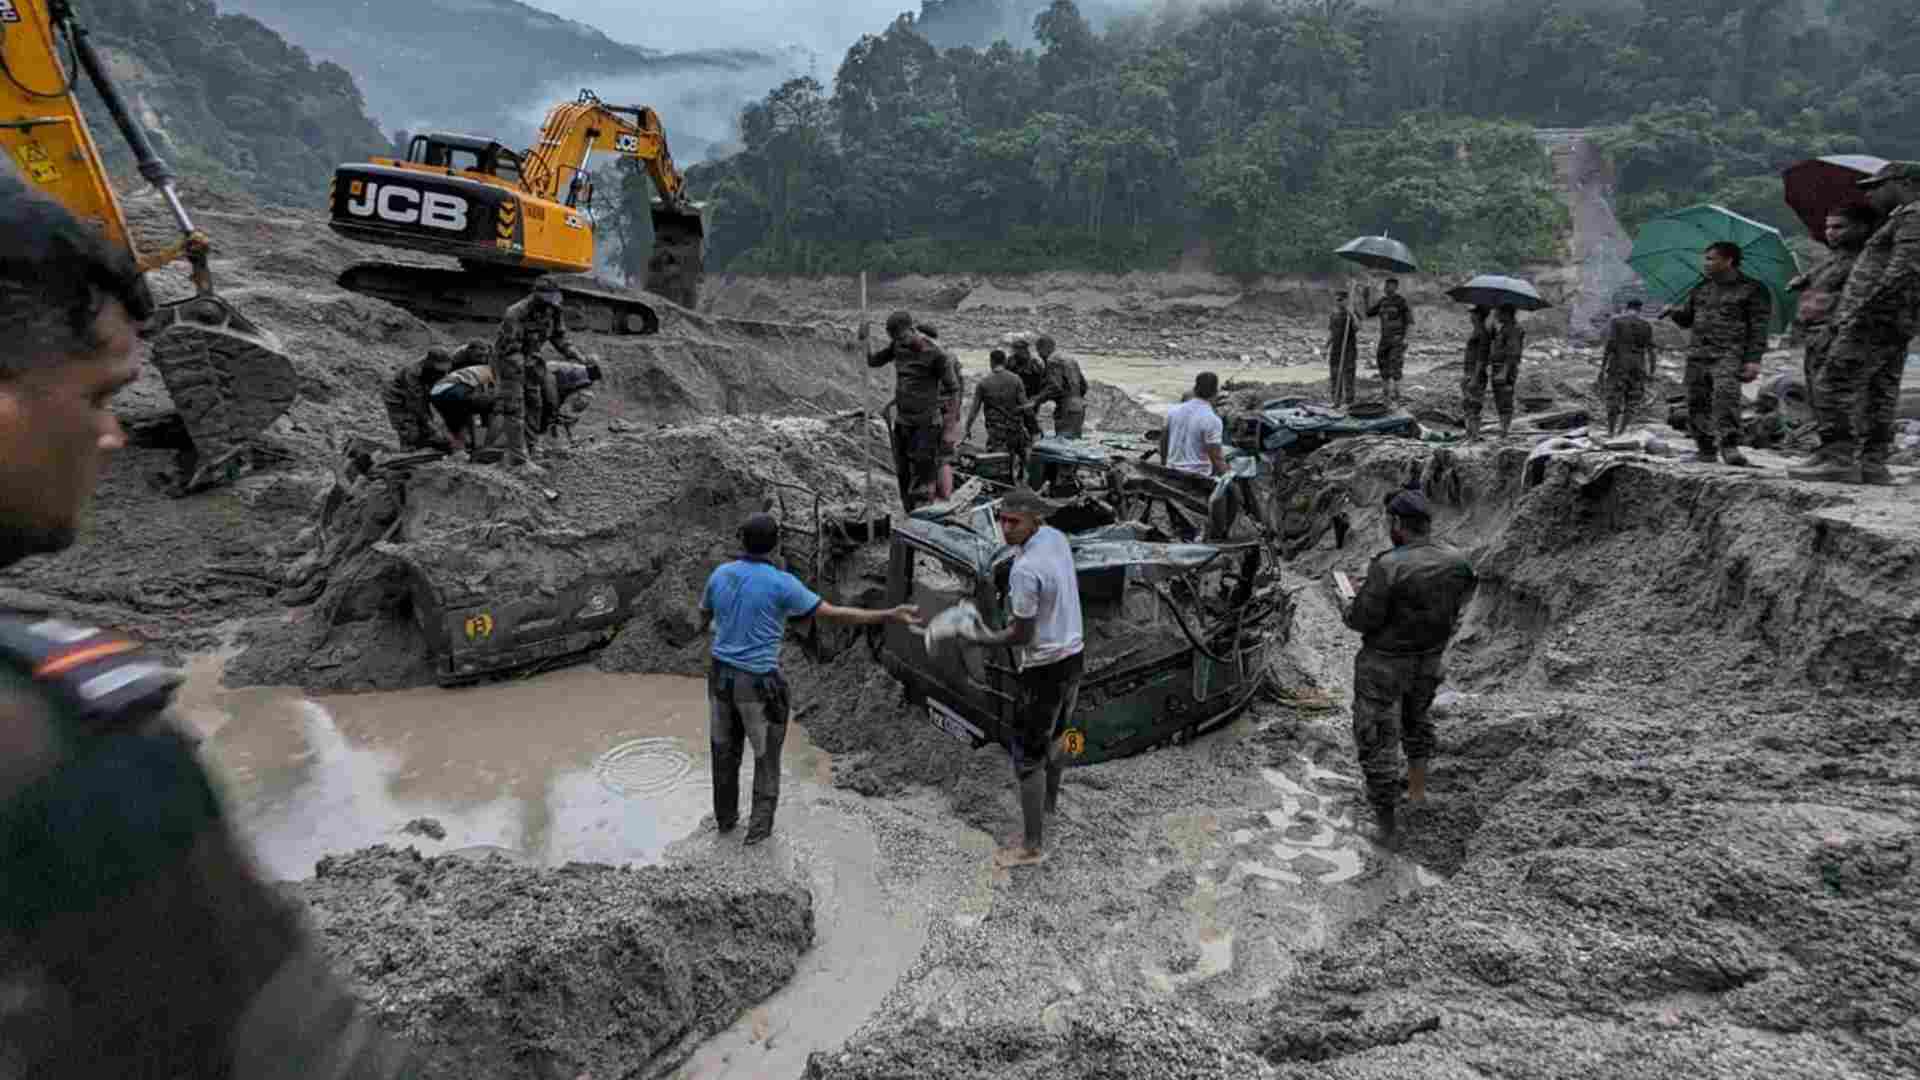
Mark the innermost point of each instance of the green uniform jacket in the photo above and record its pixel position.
(1629, 346)
(528, 327)
(1413, 598)
(1728, 318)
(1884, 290)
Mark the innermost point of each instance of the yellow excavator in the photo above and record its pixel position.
(228, 378)
(513, 217)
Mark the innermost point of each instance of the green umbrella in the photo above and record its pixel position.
(1668, 253)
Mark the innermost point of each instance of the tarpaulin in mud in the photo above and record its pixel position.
(1295, 425)
(1108, 548)
(1076, 452)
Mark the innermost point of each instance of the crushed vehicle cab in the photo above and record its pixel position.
(1178, 636)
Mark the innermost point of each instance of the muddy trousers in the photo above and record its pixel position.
(747, 708)
(1859, 391)
(1713, 402)
(916, 458)
(1624, 390)
(1390, 357)
(1819, 338)
(1340, 372)
(1014, 441)
(1391, 697)
(1474, 383)
(1048, 696)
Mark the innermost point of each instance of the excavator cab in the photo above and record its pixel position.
(228, 378)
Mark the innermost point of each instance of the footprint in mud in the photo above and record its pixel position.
(643, 767)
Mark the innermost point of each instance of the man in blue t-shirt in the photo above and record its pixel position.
(747, 604)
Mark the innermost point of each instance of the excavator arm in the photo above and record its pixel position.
(573, 132)
(228, 378)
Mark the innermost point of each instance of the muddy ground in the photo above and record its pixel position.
(1673, 819)
(495, 969)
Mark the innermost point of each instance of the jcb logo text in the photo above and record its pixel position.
(405, 206)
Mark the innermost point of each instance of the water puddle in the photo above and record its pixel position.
(576, 765)
(573, 765)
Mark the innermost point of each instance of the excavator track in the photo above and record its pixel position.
(442, 294)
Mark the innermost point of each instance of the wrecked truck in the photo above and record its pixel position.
(1178, 636)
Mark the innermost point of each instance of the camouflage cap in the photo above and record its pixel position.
(1892, 170)
(548, 290)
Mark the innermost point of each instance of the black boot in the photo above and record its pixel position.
(761, 825)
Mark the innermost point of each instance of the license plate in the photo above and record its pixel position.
(951, 722)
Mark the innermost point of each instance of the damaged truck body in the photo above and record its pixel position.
(1178, 637)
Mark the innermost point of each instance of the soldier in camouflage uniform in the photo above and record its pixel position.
(924, 377)
(1407, 612)
(1004, 398)
(405, 397)
(1728, 313)
(1509, 344)
(1479, 365)
(1066, 387)
(1626, 366)
(1396, 318)
(520, 368)
(1343, 350)
(137, 939)
(1820, 288)
(1879, 312)
(1033, 377)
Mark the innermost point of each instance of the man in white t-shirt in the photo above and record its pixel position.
(1191, 441)
(1043, 596)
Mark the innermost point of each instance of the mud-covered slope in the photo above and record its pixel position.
(1682, 805)
(492, 969)
(1679, 834)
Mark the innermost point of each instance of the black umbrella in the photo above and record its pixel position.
(1492, 290)
(1379, 253)
(1819, 186)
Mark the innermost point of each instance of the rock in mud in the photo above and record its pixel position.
(497, 970)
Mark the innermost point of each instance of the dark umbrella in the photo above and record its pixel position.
(1492, 290)
(1819, 186)
(1378, 253)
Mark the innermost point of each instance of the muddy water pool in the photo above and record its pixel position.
(573, 765)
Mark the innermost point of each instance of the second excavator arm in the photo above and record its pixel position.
(557, 166)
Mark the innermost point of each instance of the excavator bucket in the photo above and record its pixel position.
(679, 254)
(228, 379)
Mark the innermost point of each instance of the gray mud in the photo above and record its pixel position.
(491, 969)
(1674, 807)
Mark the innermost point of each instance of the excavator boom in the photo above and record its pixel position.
(228, 378)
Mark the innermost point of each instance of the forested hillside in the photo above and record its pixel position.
(228, 101)
(1267, 131)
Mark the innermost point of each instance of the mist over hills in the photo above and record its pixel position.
(493, 67)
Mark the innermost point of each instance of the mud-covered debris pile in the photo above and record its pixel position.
(656, 509)
(498, 970)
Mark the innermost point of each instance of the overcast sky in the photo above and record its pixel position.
(825, 26)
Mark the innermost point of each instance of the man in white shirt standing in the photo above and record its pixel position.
(1043, 597)
(1191, 441)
